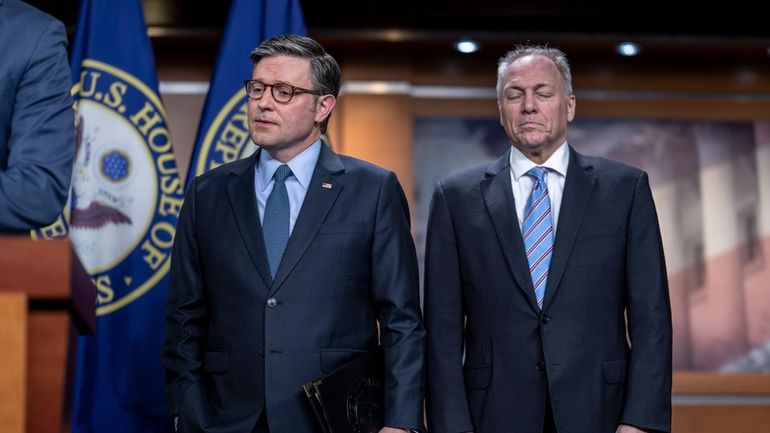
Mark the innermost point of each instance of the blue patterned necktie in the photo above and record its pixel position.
(537, 231)
(275, 224)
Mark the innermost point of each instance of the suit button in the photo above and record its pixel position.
(262, 351)
(540, 365)
(272, 302)
(546, 318)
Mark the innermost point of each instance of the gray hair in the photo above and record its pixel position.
(324, 70)
(554, 54)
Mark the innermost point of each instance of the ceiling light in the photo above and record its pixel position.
(467, 45)
(628, 49)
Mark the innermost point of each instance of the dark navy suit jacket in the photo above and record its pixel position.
(37, 136)
(237, 343)
(494, 356)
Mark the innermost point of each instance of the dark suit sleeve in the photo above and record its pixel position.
(185, 310)
(447, 402)
(648, 401)
(395, 291)
(41, 146)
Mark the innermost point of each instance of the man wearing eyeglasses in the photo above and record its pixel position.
(288, 264)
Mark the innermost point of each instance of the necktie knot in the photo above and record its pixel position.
(537, 173)
(282, 173)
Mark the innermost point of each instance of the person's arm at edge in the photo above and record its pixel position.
(395, 291)
(447, 402)
(185, 309)
(41, 147)
(648, 400)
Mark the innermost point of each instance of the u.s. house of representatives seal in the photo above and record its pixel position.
(126, 193)
(365, 412)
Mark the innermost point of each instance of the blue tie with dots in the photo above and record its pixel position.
(537, 231)
(275, 224)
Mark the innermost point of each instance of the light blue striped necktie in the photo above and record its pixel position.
(275, 223)
(537, 231)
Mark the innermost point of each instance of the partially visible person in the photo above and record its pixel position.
(288, 264)
(37, 133)
(546, 296)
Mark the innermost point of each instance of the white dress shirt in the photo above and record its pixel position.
(522, 184)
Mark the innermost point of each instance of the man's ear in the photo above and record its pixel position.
(324, 107)
(571, 104)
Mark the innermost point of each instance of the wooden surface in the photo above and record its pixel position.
(47, 362)
(56, 294)
(720, 419)
(720, 416)
(709, 383)
(39, 269)
(13, 362)
(51, 276)
(377, 129)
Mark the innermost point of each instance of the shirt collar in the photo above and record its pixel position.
(557, 162)
(301, 166)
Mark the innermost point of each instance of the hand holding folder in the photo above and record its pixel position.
(351, 399)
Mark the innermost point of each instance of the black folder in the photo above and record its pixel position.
(351, 399)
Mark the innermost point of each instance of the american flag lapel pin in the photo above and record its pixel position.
(326, 185)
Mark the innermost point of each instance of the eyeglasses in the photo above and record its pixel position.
(282, 92)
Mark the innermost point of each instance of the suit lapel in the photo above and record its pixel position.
(243, 203)
(323, 190)
(498, 197)
(578, 187)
